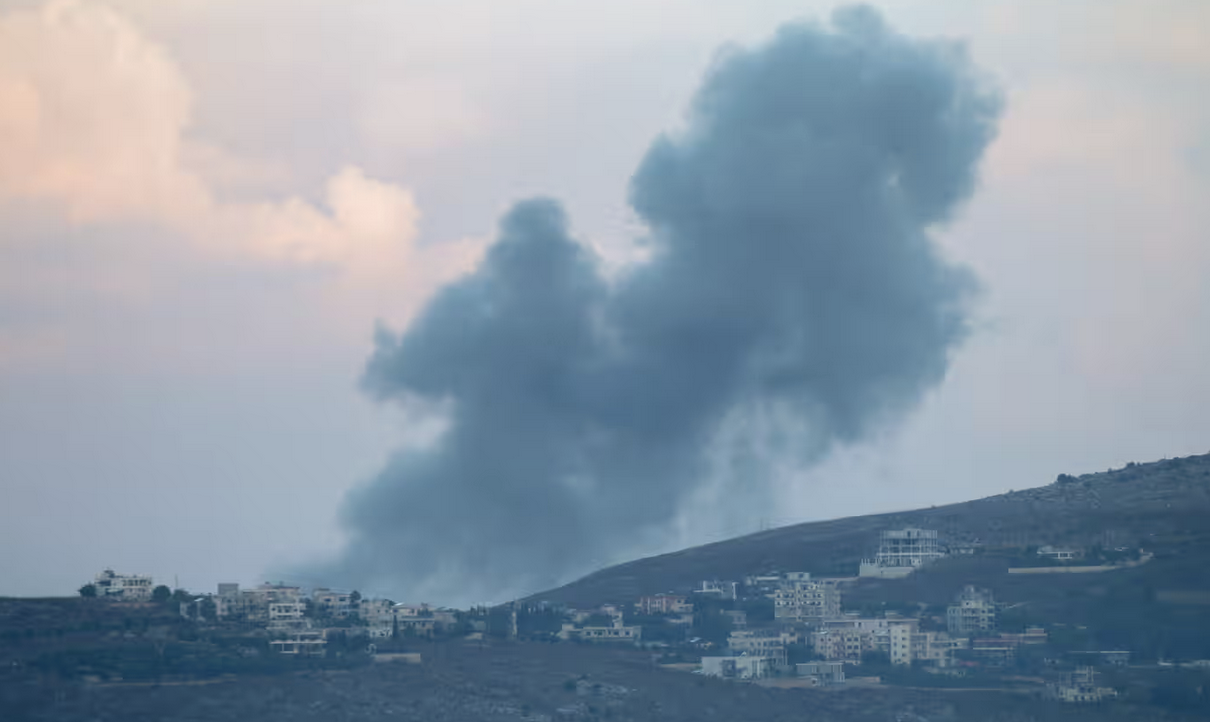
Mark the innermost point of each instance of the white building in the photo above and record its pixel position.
(332, 603)
(973, 611)
(420, 619)
(1058, 554)
(806, 602)
(1080, 686)
(303, 642)
(253, 604)
(936, 648)
(722, 590)
(129, 587)
(762, 643)
(664, 604)
(738, 667)
(824, 674)
(617, 632)
(376, 611)
(902, 552)
(288, 615)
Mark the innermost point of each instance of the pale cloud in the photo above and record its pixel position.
(412, 114)
(96, 137)
(93, 120)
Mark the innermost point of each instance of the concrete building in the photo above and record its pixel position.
(843, 645)
(1080, 686)
(762, 643)
(617, 632)
(806, 602)
(722, 590)
(847, 638)
(901, 552)
(332, 603)
(825, 674)
(1059, 554)
(664, 604)
(900, 638)
(288, 615)
(936, 648)
(1108, 658)
(308, 642)
(253, 604)
(420, 620)
(738, 667)
(376, 611)
(127, 587)
(993, 653)
(973, 611)
(762, 584)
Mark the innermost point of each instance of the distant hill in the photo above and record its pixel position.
(1163, 507)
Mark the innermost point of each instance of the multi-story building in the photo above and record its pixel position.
(848, 638)
(843, 645)
(824, 674)
(722, 590)
(900, 639)
(1082, 685)
(253, 604)
(664, 604)
(332, 603)
(420, 619)
(617, 632)
(376, 611)
(301, 642)
(973, 611)
(762, 584)
(128, 587)
(804, 601)
(936, 648)
(762, 643)
(288, 615)
(739, 667)
(901, 552)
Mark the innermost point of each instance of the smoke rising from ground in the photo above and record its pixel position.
(793, 300)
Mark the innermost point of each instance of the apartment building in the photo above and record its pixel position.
(127, 587)
(806, 601)
(974, 610)
(664, 604)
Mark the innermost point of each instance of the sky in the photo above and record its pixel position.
(207, 208)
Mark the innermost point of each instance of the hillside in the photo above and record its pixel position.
(1163, 507)
(516, 682)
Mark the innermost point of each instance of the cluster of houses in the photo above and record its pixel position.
(807, 614)
(296, 621)
(299, 622)
(810, 636)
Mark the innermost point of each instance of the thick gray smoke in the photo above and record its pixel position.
(791, 277)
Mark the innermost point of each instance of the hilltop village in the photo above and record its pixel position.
(781, 628)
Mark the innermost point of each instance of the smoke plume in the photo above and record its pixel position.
(792, 301)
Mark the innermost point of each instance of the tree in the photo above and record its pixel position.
(88, 591)
(161, 594)
(208, 609)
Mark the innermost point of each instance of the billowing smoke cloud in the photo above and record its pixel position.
(791, 278)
